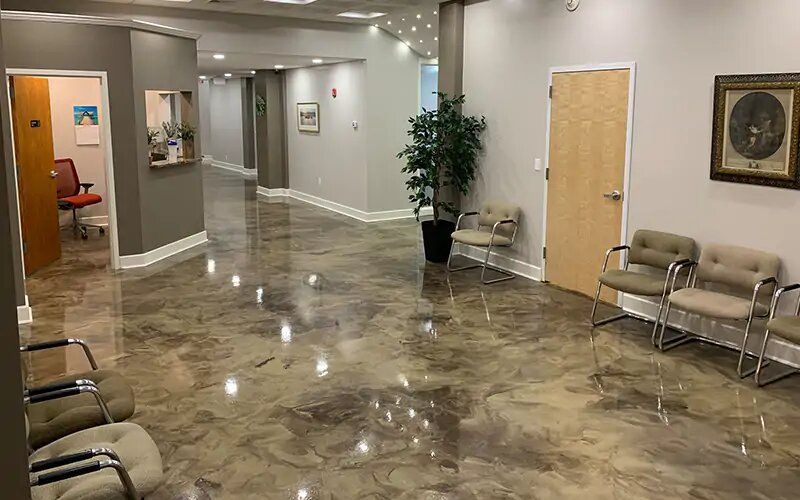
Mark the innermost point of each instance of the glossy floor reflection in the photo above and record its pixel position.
(301, 354)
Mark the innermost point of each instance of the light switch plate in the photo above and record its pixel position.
(537, 164)
(355, 125)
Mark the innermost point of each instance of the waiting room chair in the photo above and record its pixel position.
(784, 327)
(740, 271)
(658, 254)
(76, 401)
(68, 187)
(115, 461)
(497, 227)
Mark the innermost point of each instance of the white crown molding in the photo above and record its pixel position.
(25, 313)
(52, 17)
(160, 253)
(500, 261)
(239, 169)
(403, 213)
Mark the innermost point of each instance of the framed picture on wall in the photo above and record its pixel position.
(308, 117)
(756, 122)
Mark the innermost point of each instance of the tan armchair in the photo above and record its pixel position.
(657, 253)
(748, 277)
(497, 227)
(785, 327)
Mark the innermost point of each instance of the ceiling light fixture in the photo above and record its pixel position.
(227, 75)
(413, 28)
(219, 57)
(429, 52)
(357, 14)
(399, 32)
(316, 61)
(419, 16)
(408, 43)
(429, 25)
(435, 12)
(421, 41)
(279, 66)
(389, 22)
(252, 72)
(436, 39)
(203, 77)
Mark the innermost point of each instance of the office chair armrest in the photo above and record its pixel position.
(757, 288)
(86, 186)
(679, 266)
(466, 214)
(57, 386)
(777, 297)
(72, 391)
(611, 250)
(52, 463)
(88, 468)
(498, 224)
(50, 344)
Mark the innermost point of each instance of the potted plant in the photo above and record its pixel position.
(171, 131)
(186, 133)
(443, 155)
(152, 140)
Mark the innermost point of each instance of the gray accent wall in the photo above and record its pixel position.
(451, 47)
(248, 124)
(14, 452)
(225, 119)
(271, 139)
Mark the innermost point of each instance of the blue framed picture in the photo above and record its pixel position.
(85, 115)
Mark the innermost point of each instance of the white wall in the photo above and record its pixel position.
(679, 46)
(90, 159)
(221, 121)
(333, 163)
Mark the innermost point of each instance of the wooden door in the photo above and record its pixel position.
(588, 138)
(35, 160)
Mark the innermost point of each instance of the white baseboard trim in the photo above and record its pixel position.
(404, 213)
(725, 333)
(95, 219)
(160, 253)
(500, 261)
(25, 313)
(239, 169)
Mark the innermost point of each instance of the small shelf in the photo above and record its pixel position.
(182, 162)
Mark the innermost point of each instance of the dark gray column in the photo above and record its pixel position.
(451, 47)
(14, 452)
(248, 125)
(271, 157)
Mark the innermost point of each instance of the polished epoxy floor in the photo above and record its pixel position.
(301, 354)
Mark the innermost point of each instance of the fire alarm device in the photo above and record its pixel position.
(333, 93)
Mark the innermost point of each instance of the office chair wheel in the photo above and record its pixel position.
(102, 230)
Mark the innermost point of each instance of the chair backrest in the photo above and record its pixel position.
(67, 182)
(657, 249)
(737, 267)
(493, 212)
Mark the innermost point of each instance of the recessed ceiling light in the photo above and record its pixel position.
(278, 66)
(218, 56)
(296, 2)
(316, 61)
(434, 12)
(421, 41)
(408, 43)
(357, 14)
(227, 75)
(389, 22)
(419, 16)
(436, 39)
(429, 25)
(203, 77)
(413, 28)
(399, 32)
(429, 52)
(252, 72)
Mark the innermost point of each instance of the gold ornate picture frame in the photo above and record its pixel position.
(756, 124)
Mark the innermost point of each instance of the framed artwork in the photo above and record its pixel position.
(756, 122)
(308, 117)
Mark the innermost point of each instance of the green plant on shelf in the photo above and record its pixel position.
(152, 136)
(186, 131)
(170, 129)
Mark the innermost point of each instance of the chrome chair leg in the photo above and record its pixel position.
(658, 317)
(665, 344)
(743, 353)
(760, 382)
(506, 275)
(451, 269)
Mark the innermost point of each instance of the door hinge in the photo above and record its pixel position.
(544, 253)
(547, 174)
(550, 92)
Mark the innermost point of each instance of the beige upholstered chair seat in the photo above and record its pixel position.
(480, 238)
(51, 420)
(714, 304)
(786, 327)
(633, 282)
(136, 450)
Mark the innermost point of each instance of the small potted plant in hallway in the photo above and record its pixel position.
(186, 133)
(443, 155)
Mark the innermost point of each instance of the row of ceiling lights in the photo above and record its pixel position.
(413, 28)
(221, 57)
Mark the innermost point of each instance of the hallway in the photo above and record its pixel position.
(302, 354)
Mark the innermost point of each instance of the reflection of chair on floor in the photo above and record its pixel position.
(70, 197)
(77, 401)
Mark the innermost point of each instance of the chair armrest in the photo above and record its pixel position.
(757, 288)
(52, 463)
(57, 386)
(86, 186)
(777, 297)
(88, 468)
(466, 214)
(611, 250)
(72, 391)
(677, 267)
(51, 344)
(500, 223)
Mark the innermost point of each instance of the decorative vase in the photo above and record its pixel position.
(172, 147)
(436, 240)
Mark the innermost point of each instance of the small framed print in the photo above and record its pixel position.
(756, 122)
(308, 117)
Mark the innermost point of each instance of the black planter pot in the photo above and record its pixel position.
(436, 239)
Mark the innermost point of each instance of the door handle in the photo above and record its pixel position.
(613, 195)
(53, 174)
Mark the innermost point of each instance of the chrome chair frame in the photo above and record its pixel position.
(67, 389)
(773, 308)
(82, 469)
(685, 336)
(51, 344)
(485, 265)
(627, 314)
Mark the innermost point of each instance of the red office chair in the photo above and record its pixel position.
(68, 187)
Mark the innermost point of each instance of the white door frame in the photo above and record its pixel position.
(105, 126)
(628, 146)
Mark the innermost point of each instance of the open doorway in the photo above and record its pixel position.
(64, 175)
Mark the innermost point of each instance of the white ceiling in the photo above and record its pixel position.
(402, 14)
(241, 64)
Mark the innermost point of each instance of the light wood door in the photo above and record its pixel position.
(35, 159)
(588, 137)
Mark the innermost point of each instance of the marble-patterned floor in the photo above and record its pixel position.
(301, 354)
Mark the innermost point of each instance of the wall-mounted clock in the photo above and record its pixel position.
(572, 4)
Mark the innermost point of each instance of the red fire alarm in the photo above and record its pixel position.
(333, 93)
